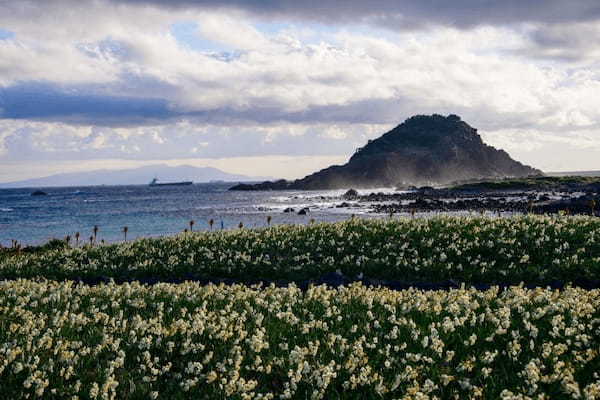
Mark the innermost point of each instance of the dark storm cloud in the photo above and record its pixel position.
(566, 42)
(44, 101)
(80, 105)
(406, 13)
(368, 111)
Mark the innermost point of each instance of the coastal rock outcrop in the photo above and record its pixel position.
(423, 150)
(351, 194)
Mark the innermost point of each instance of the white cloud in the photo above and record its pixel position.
(288, 167)
(53, 141)
(550, 151)
(26, 61)
(231, 30)
(281, 93)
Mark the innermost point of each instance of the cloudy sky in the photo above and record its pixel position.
(282, 88)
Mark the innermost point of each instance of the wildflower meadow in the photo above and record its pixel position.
(61, 338)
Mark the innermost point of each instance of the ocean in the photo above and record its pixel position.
(154, 211)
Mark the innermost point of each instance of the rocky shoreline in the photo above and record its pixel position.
(573, 202)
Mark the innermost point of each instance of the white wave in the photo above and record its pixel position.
(281, 199)
(383, 190)
(337, 193)
(6, 209)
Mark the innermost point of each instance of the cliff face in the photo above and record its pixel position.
(423, 150)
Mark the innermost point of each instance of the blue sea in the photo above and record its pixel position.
(153, 211)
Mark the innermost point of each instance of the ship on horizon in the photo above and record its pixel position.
(154, 182)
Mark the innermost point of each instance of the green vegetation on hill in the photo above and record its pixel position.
(17, 250)
(532, 183)
(528, 249)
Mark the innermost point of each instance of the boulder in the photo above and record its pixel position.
(350, 194)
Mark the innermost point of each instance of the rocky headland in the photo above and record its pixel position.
(423, 150)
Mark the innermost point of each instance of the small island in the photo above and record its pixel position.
(423, 150)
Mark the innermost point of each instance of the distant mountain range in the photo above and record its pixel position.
(423, 150)
(134, 176)
(574, 173)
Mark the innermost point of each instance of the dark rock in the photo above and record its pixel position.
(39, 193)
(289, 210)
(428, 190)
(281, 184)
(577, 205)
(350, 194)
(304, 211)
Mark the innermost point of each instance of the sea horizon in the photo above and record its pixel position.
(155, 211)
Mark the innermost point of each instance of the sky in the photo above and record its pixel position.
(284, 88)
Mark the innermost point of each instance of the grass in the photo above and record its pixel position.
(531, 183)
(62, 340)
(530, 249)
(18, 250)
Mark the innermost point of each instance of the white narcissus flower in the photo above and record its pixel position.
(235, 341)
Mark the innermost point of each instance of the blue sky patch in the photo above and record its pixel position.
(4, 34)
(187, 34)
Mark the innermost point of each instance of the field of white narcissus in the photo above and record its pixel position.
(187, 341)
(530, 249)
